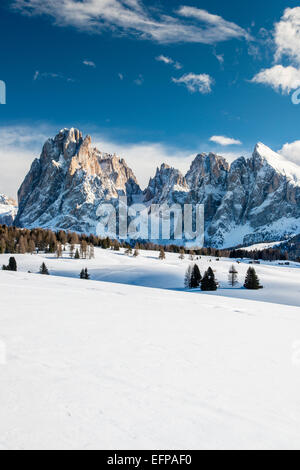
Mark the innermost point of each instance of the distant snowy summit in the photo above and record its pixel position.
(253, 200)
(8, 210)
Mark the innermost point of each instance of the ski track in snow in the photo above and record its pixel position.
(131, 364)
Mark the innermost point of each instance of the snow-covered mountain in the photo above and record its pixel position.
(8, 210)
(65, 186)
(250, 201)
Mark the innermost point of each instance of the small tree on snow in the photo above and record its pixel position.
(252, 281)
(84, 274)
(208, 282)
(233, 276)
(77, 256)
(188, 277)
(72, 249)
(162, 254)
(12, 265)
(136, 253)
(182, 254)
(195, 277)
(44, 270)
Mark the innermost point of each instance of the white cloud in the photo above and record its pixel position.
(201, 83)
(291, 151)
(286, 40)
(19, 145)
(133, 17)
(280, 78)
(139, 80)
(222, 140)
(219, 57)
(44, 75)
(217, 26)
(169, 61)
(287, 35)
(121, 76)
(89, 63)
(143, 158)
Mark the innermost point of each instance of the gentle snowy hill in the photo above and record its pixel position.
(281, 283)
(94, 365)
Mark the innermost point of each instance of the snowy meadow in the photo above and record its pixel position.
(130, 359)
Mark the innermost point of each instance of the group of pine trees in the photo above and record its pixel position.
(20, 240)
(208, 283)
(12, 265)
(194, 280)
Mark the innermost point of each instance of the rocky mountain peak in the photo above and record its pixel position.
(167, 182)
(252, 200)
(65, 186)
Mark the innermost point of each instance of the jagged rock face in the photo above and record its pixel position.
(207, 180)
(168, 186)
(250, 201)
(8, 210)
(65, 186)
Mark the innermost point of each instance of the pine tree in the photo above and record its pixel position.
(128, 251)
(136, 253)
(72, 249)
(195, 277)
(12, 264)
(188, 278)
(232, 276)
(83, 249)
(208, 282)
(162, 254)
(91, 251)
(31, 247)
(59, 250)
(84, 274)
(182, 253)
(44, 270)
(252, 281)
(77, 256)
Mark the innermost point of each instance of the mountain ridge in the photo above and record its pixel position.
(251, 200)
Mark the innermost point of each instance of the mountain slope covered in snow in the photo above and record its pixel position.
(253, 200)
(97, 365)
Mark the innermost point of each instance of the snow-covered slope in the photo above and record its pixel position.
(95, 365)
(279, 163)
(281, 283)
(251, 201)
(8, 210)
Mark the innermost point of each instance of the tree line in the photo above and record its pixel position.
(208, 282)
(20, 240)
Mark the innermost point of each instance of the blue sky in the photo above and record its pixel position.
(151, 80)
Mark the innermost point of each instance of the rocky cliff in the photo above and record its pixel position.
(65, 186)
(250, 201)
